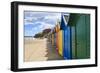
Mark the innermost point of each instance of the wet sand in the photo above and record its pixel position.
(39, 50)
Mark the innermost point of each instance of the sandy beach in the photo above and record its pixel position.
(39, 50)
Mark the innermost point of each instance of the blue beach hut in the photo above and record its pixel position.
(66, 37)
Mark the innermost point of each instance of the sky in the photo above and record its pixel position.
(35, 22)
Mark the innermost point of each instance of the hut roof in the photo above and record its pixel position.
(64, 21)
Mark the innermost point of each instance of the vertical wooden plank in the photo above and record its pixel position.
(73, 43)
(87, 22)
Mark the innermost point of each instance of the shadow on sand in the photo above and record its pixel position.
(52, 52)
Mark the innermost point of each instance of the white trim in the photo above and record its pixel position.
(22, 64)
(65, 19)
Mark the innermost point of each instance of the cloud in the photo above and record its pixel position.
(46, 26)
(56, 16)
(37, 21)
(32, 17)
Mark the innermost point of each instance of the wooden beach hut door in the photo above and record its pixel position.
(83, 36)
(67, 43)
(60, 43)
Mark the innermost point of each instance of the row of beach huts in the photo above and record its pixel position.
(71, 36)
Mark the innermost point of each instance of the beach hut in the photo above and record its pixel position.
(56, 37)
(52, 38)
(80, 31)
(54, 32)
(60, 40)
(66, 34)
